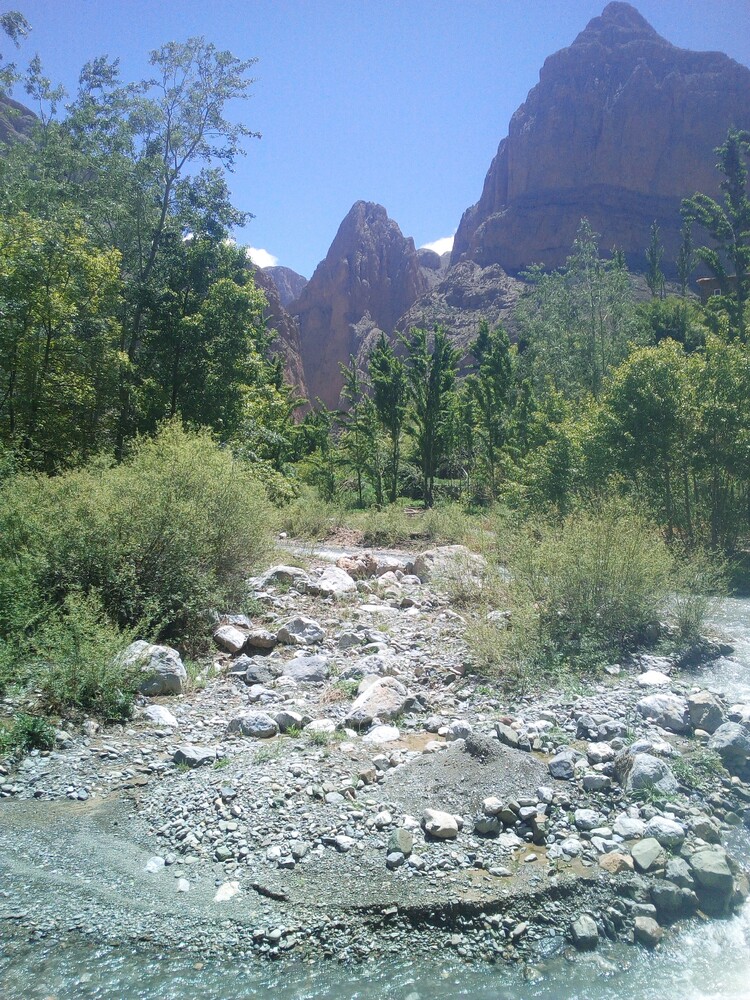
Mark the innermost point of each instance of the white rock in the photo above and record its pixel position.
(226, 891)
(653, 678)
(333, 582)
(382, 734)
(441, 825)
(229, 638)
(163, 670)
(155, 865)
(159, 715)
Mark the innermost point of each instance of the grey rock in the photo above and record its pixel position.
(562, 765)
(255, 724)
(194, 756)
(648, 854)
(668, 832)
(511, 737)
(300, 631)
(307, 669)
(160, 716)
(230, 638)
(706, 711)
(647, 931)
(289, 719)
(260, 638)
(446, 560)
(162, 668)
(732, 743)
(641, 771)
(667, 710)
(584, 932)
(401, 841)
(384, 699)
(286, 575)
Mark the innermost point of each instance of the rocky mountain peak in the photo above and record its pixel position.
(371, 271)
(618, 24)
(621, 126)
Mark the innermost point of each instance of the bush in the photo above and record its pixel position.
(161, 539)
(309, 516)
(77, 664)
(27, 732)
(700, 580)
(590, 588)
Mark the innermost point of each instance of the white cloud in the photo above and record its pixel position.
(440, 246)
(260, 257)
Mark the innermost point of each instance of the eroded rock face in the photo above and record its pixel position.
(288, 283)
(620, 127)
(287, 341)
(371, 274)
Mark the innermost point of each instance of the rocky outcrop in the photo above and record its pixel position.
(287, 341)
(288, 283)
(371, 274)
(465, 295)
(16, 120)
(620, 127)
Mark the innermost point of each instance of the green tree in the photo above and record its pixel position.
(727, 224)
(654, 257)
(490, 388)
(431, 374)
(390, 392)
(576, 323)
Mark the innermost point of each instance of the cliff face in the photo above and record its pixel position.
(287, 340)
(288, 283)
(621, 126)
(369, 278)
(16, 120)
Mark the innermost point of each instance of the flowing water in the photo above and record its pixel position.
(703, 962)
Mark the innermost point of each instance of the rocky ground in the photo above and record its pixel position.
(342, 785)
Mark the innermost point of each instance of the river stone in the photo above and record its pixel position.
(641, 771)
(647, 932)
(672, 902)
(584, 932)
(163, 670)
(648, 854)
(384, 699)
(256, 724)
(670, 711)
(511, 737)
(628, 827)
(446, 560)
(229, 638)
(300, 631)
(288, 719)
(599, 753)
(668, 832)
(653, 678)
(711, 870)
(732, 743)
(401, 841)
(706, 711)
(562, 765)
(381, 734)
(597, 782)
(260, 638)
(615, 862)
(587, 819)
(321, 726)
(194, 756)
(332, 582)
(225, 891)
(307, 669)
(159, 715)
(441, 825)
(287, 575)
(707, 828)
(155, 865)
(358, 566)
(488, 826)
(678, 871)
(257, 670)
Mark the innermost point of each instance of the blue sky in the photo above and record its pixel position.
(402, 102)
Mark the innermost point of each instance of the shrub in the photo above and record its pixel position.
(389, 526)
(700, 580)
(309, 516)
(27, 732)
(161, 539)
(589, 588)
(76, 662)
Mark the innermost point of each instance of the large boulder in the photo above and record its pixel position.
(447, 560)
(385, 699)
(256, 724)
(642, 771)
(706, 711)
(714, 881)
(288, 576)
(332, 582)
(438, 824)
(732, 743)
(670, 711)
(307, 669)
(300, 631)
(163, 670)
